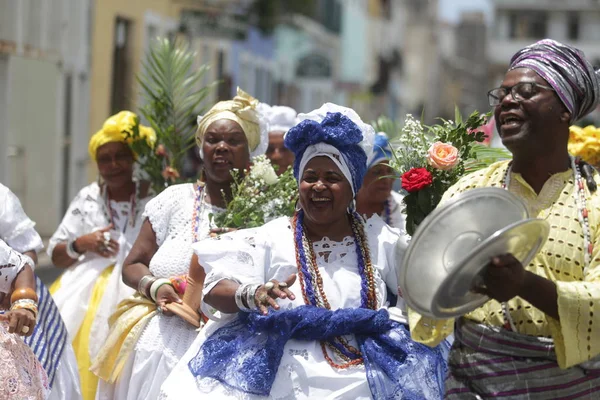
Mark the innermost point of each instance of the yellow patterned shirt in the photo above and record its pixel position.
(561, 260)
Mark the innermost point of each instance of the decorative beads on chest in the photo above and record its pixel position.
(311, 283)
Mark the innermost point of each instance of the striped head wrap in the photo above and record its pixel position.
(566, 69)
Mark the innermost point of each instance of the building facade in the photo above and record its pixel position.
(44, 103)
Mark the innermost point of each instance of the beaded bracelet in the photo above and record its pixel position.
(157, 284)
(144, 284)
(25, 304)
(71, 252)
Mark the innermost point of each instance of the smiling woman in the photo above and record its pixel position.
(299, 304)
(92, 240)
(141, 351)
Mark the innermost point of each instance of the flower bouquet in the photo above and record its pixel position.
(258, 196)
(430, 159)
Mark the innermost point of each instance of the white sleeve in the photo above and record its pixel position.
(16, 229)
(239, 256)
(73, 223)
(158, 212)
(11, 263)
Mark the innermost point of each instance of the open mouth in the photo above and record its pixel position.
(320, 202)
(221, 162)
(510, 123)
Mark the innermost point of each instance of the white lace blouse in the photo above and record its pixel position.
(260, 254)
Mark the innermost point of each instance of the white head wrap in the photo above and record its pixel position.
(281, 118)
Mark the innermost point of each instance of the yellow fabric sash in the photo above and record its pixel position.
(126, 325)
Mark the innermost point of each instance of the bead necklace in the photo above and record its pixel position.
(310, 278)
(133, 207)
(580, 200)
(199, 202)
(387, 216)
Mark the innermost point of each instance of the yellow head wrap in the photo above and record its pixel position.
(242, 109)
(113, 131)
(585, 143)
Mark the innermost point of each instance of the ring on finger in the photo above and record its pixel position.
(282, 285)
(269, 286)
(262, 298)
(25, 329)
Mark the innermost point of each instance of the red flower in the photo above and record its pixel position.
(170, 173)
(416, 179)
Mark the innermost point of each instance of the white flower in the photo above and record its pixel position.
(263, 170)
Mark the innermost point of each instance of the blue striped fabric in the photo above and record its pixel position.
(50, 334)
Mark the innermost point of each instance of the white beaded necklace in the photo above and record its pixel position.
(580, 200)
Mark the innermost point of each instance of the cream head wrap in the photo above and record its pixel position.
(243, 110)
(115, 129)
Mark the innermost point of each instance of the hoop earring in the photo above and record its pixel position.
(297, 207)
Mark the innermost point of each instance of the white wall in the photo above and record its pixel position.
(34, 140)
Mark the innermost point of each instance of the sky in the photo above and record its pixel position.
(449, 10)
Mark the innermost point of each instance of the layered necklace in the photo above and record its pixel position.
(199, 202)
(133, 207)
(311, 283)
(580, 200)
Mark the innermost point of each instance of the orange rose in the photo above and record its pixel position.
(443, 156)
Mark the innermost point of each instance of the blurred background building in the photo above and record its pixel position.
(66, 65)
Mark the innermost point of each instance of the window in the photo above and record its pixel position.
(573, 26)
(121, 79)
(528, 24)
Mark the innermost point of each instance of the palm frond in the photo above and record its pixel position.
(483, 156)
(172, 89)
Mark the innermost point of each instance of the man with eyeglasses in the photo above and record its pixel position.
(538, 335)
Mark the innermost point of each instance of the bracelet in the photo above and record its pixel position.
(144, 284)
(25, 304)
(157, 284)
(23, 294)
(240, 293)
(250, 296)
(71, 252)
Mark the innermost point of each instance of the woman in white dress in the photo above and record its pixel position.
(92, 241)
(48, 340)
(377, 196)
(288, 276)
(146, 340)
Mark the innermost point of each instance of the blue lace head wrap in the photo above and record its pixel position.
(335, 132)
(565, 69)
(381, 150)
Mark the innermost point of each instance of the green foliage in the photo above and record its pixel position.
(172, 89)
(258, 196)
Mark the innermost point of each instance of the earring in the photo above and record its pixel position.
(297, 207)
(352, 206)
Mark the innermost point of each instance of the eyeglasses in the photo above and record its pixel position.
(520, 91)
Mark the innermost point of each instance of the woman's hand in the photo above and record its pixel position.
(166, 294)
(266, 294)
(20, 321)
(98, 242)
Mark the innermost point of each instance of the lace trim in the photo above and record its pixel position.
(329, 251)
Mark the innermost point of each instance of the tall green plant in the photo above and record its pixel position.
(173, 96)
